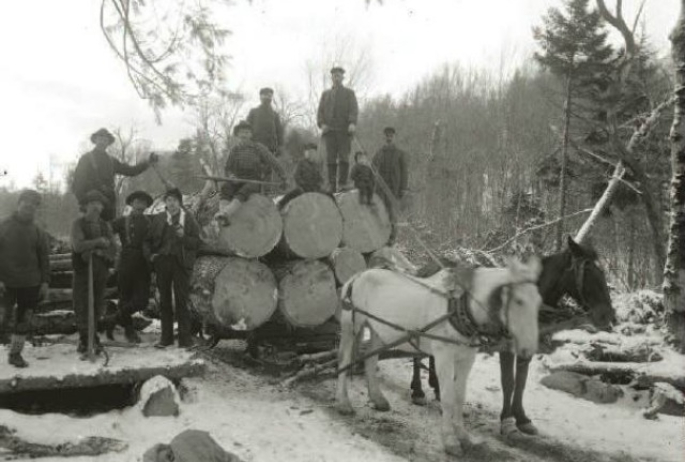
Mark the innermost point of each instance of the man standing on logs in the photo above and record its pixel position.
(337, 119)
(392, 164)
(134, 269)
(24, 270)
(91, 238)
(247, 161)
(96, 169)
(172, 244)
(266, 124)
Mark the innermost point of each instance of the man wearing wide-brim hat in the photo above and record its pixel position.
(337, 119)
(96, 170)
(91, 237)
(133, 273)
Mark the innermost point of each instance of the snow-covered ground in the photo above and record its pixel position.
(260, 422)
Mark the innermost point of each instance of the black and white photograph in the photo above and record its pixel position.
(342, 230)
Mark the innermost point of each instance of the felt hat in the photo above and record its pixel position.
(266, 90)
(102, 132)
(95, 196)
(387, 130)
(174, 192)
(29, 195)
(337, 70)
(142, 195)
(242, 125)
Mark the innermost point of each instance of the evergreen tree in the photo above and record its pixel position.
(573, 46)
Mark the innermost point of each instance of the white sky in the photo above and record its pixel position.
(59, 81)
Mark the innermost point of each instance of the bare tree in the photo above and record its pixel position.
(129, 149)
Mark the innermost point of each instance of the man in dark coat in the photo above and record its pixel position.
(91, 237)
(392, 165)
(24, 270)
(96, 169)
(337, 119)
(266, 124)
(249, 161)
(172, 244)
(134, 269)
(363, 179)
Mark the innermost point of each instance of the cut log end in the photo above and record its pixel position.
(346, 263)
(312, 226)
(308, 295)
(255, 229)
(365, 228)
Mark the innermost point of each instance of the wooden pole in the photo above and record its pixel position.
(91, 311)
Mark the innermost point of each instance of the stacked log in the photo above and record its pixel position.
(365, 228)
(346, 262)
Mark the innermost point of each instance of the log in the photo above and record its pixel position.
(307, 293)
(254, 231)
(61, 279)
(61, 265)
(233, 292)
(312, 226)
(647, 373)
(346, 263)
(63, 295)
(619, 354)
(365, 228)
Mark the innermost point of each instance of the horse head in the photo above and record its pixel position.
(587, 284)
(520, 305)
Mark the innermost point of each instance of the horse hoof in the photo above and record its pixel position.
(381, 405)
(508, 429)
(419, 400)
(454, 450)
(528, 428)
(345, 409)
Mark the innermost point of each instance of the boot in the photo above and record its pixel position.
(332, 177)
(344, 170)
(131, 335)
(82, 344)
(226, 211)
(16, 347)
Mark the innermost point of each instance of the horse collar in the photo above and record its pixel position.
(463, 321)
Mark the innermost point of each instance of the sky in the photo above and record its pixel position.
(59, 81)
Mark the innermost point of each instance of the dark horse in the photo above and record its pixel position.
(573, 271)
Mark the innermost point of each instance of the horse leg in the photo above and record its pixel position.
(523, 423)
(433, 378)
(506, 366)
(445, 367)
(418, 397)
(378, 401)
(345, 353)
(463, 365)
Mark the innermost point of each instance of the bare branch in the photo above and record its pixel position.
(618, 22)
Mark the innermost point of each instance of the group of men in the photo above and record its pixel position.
(167, 242)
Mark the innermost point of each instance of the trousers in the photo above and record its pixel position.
(172, 275)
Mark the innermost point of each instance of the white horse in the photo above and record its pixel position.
(506, 299)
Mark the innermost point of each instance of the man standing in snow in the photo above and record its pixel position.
(24, 269)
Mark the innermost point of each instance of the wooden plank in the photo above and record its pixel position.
(59, 367)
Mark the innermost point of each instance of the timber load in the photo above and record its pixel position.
(365, 228)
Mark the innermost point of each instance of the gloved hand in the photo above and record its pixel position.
(325, 129)
(352, 129)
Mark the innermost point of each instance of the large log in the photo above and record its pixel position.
(346, 263)
(365, 228)
(233, 292)
(61, 265)
(307, 293)
(312, 226)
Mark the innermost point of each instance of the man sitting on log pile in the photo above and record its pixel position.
(134, 269)
(96, 170)
(307, 177)
(172, 244)
(91, 238)
(391, 163)
(24, 270)
(363, 179)
(246, 161)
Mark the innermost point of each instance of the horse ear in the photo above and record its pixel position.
(575, 248)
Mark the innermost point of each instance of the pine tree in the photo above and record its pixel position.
(573, 46)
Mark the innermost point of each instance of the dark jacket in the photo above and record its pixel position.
(95, 171)
(84, 237)
(337, 108)
(266, 127)
(24, 253)
(163, 239)
(391, 164)
(132, 230)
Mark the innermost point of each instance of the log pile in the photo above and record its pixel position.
(279, 258)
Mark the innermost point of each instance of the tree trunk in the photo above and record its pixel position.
(602, 204)
(346, 263)
(233, 292)
(307, 294)
(564, 164)
(674, 273)
(312, 226)
(365, 228)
